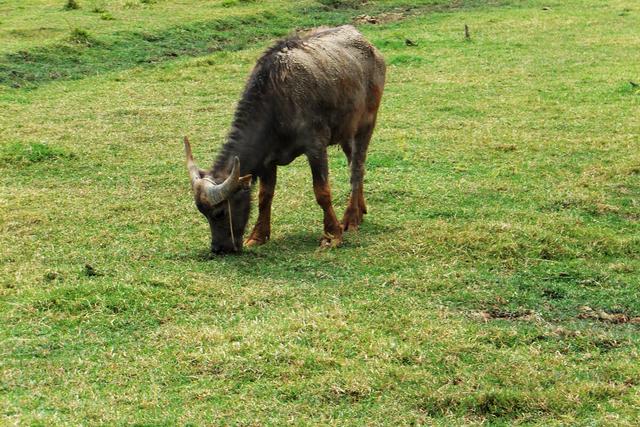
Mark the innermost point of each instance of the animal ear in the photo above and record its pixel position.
(245, 181)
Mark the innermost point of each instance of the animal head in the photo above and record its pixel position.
(225, 202)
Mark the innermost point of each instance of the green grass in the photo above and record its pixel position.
(487, 284)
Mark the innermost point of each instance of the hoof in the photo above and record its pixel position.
(350, 226)
(330, 241)
(352, 220)
(254, 241)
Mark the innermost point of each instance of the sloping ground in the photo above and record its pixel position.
(495, 279)
(151, 32)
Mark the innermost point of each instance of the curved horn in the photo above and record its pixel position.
(221, 192)
(194, 172)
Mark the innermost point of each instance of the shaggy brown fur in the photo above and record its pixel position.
(304, 94)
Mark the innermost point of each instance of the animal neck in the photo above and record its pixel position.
(247, 140)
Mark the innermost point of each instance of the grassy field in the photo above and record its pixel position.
(495, 280)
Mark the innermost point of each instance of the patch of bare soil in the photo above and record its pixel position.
(496, 313)
(403, 13)
(603, 316)
(383, 18)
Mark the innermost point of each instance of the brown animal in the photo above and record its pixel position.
(304, 94)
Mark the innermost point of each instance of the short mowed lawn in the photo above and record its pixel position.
(495, 279)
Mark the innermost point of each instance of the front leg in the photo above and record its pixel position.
(332, 235)
(262, 230)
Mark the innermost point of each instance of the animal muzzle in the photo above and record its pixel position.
(226, 247)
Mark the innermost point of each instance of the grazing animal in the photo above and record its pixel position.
(304, 94)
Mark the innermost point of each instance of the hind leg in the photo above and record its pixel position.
(332, 235)
(356, 207)
(346, 149)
